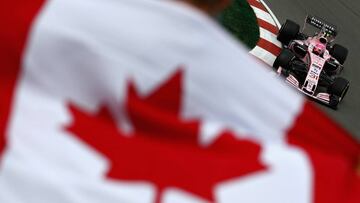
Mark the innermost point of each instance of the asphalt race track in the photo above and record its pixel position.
(346, 15)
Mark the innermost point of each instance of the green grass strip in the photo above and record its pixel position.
(240, 20)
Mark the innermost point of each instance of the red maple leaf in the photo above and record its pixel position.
(163, 148)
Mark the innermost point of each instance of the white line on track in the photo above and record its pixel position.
(271, 13)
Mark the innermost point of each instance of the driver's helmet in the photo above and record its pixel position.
(319, 49)
(323, 40)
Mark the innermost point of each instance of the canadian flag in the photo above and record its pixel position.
(151, 101)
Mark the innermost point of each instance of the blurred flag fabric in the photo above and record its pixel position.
(151, 101)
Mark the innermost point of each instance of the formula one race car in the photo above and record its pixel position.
(312, 63)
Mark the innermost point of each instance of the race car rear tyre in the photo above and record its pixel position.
(339, 87)
(283, 60)
(339, 53)
(288, 31)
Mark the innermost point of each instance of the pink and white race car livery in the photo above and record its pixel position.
(312, 63)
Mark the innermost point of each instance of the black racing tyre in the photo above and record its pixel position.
(339, 53)
(339, 87)
(284, 59)
(288, 31)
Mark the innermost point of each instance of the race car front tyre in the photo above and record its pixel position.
(283, 61)
(339, 53)
(288, 31)
(339, 87)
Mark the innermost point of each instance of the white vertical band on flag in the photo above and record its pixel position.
(285, 161)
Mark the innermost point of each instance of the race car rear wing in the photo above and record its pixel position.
(321, 23)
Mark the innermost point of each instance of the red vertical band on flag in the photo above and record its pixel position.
(16, 17)
(334, 155)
